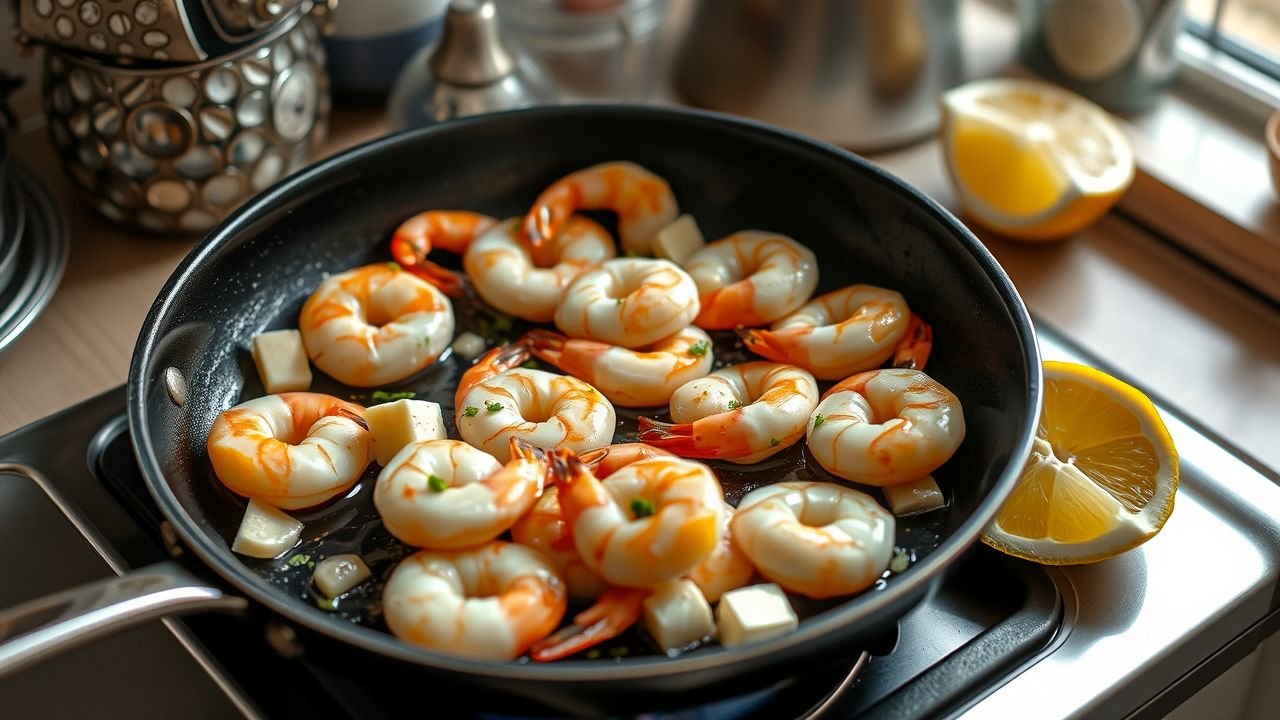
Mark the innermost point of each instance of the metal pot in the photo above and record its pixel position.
(865, 74)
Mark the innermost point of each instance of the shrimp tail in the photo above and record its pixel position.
(545, 344)
(912, 351)
(674, 438)
(613, 612)
(593, 458)
(450, 283)
(767, 344)
(498, 360)
(537, 225)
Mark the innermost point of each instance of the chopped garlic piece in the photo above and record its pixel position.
(754, 613)
(282, 361)
(469, 346)
(677, 241)
(265, 532)
(403, 422)
(340, 573)
(916, 497)
(677, 615)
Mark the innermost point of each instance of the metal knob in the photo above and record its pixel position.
(472, 50)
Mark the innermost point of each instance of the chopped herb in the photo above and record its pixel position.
(311, 564)
(515, 224)
(437, 483)
(593, 654)
(774, 442)
(900, 562)
(299, 559)
(384, 396)
(393, 265)
(818, 420)
(470, 411)
(327, 604)
(641, 508)
(492, 406)
(620, 651)
(699, 348)
(619, 300)
(630, 254)
(426, 342)
(530, 364)
(734, 404)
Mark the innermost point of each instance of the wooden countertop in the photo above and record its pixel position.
(1201, 342)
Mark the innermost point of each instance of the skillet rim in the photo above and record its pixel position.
(824, 630)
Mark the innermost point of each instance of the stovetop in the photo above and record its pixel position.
(1136, 634)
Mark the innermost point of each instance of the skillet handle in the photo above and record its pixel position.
(37, 630)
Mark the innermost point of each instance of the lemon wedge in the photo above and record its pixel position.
(1101, 477)
(1031, 160)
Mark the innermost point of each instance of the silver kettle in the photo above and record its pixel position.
(865, 74)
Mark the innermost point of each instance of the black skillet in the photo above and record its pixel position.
(254, 271)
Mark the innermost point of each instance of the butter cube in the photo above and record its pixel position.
(265, 532)
(910, 498)
(282, 361)
(400, 423)
(677, 615)
(340, 573)
(677, 241)
(754, 613)
(469, 346)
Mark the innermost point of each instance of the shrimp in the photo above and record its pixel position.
(837, 334)
(815, 538)
(375, 325)
(498, 360)
(544, 529)
(529, 284)
(445, 494)
(643, 201)
(630, 302)
(543, 409)
(726, 568)
(652, 520)
(886, 427)
(292, 450)
(644, 377)
(617, 609)
(751, 278)
(742, 413)
(451, 230)
(490, 602)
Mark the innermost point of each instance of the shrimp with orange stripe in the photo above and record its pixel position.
(291, 450)
(630, 302)
(643, 377)
(886, 427)
(642, 200)
(847, 331)
(751, 278)
(742, 413)
(375, 325)
(450, 230)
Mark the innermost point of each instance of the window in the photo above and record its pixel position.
(1247, 30)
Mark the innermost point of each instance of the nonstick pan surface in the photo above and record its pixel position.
(254, 271)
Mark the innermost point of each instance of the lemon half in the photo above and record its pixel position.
(1031, 160)
(1101, 477)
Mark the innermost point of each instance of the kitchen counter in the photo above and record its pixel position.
(1181, 330)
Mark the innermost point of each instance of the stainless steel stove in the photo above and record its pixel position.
(1133, 636)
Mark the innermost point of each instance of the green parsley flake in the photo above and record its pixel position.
(530, 364)
(900, 562)
(492, 406)
(631, 254)
(470, 411)
(774, 442)
(437, 483)
(620, 651)
(394, 265)
(327, 604)
(699, 348)
(641, 508)
(734, 404)
(299, 560)
(817, 421)
(619, 300)
(384, 396)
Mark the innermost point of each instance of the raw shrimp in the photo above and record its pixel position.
(742, 413)
(543, 409)
(886, 427)
(643, 201)
(726, 568)
(292, 450)
(838, 334)
(815, 538)
(544, 529)
(445, 494)
(529, 283)
(630, 302)
(490, 602)
(375, 325)
(652, 520)
(452, 230)
(644, 377)
(751, 278)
